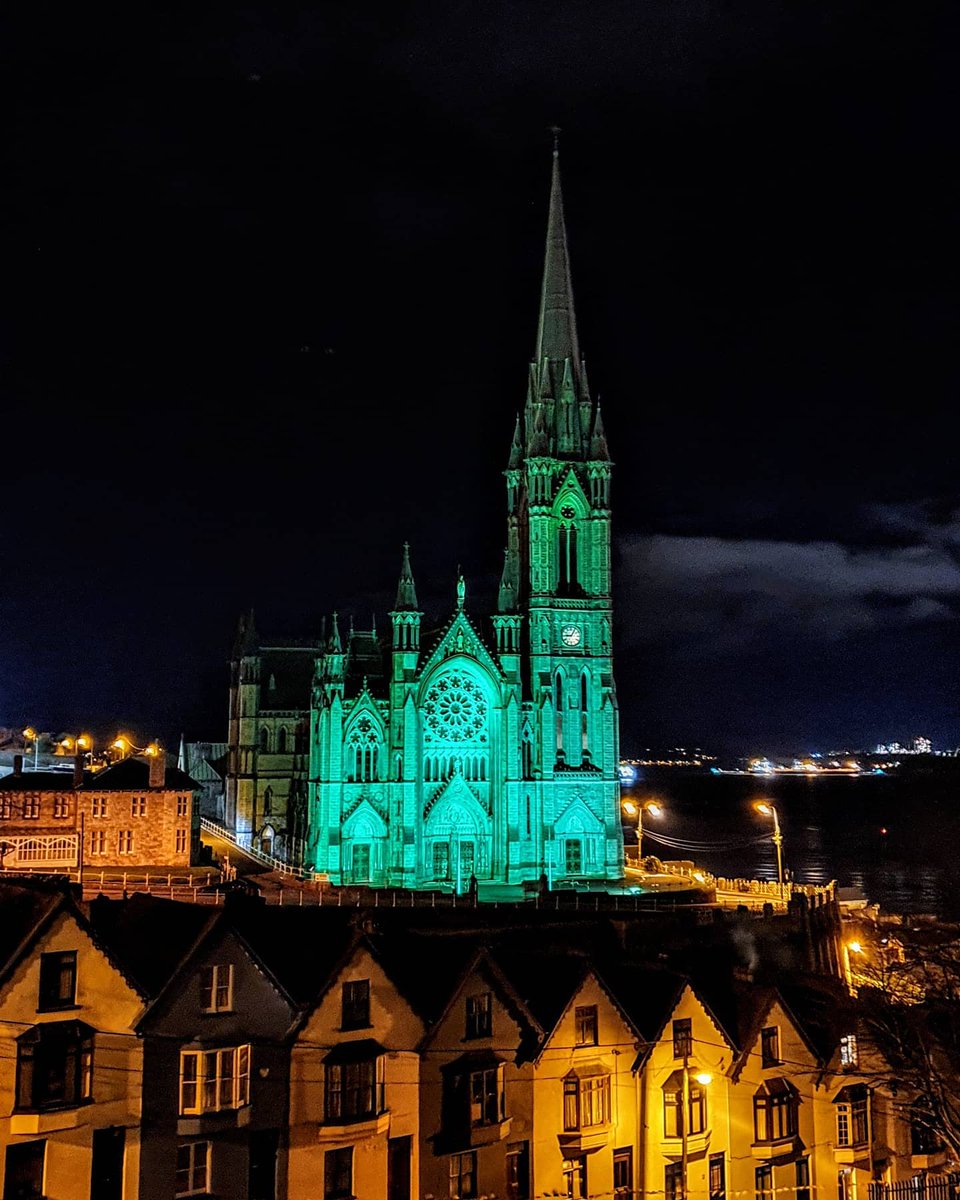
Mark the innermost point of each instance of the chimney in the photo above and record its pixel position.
(158, 764)
(18, 764)
(78, 771)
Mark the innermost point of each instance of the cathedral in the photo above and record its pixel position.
(485, 751)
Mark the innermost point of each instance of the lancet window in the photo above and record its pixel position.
(363, 751)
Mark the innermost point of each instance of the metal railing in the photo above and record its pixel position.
(245, 844)
(920, 1187)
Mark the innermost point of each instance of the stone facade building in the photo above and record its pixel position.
(489, 748)
(134, 814)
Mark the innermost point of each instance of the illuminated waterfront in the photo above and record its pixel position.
(892, 836)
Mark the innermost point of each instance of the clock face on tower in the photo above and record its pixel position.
(570, 635)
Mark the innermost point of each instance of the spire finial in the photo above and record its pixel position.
(461, 589)
(406, 592)
(556, 131)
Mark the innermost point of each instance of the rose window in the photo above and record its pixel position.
(455, 710)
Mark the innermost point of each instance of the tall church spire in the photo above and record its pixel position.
(557, 328)
(406, 591)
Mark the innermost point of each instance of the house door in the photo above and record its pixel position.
(106, 1173)
(361, 862)
(398, 1168)
(262, 1182)
(23, 1171)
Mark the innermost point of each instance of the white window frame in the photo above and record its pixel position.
(193, 1151)
(98, 841)
(181, 841)
(125, 841)
(216, 988)
(214, 1080)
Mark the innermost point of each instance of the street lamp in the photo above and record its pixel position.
(769, 810)
(637, 810)
(126, 747)
(704, 1079)
(32, 735)
(80, 744)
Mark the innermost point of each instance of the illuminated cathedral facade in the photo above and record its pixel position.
(486, 750)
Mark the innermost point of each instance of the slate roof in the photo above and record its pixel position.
(300, 947)
(148, 936)
(38, 781)
(364, 660)
(25, 908)
(291, 671)
(133, 774)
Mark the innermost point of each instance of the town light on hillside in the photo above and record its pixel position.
(32, 735)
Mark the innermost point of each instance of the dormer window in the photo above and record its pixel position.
(58, 981)
(355, 1004)
(770, 1046)
(216, 988)
(682, 1038)
(586, 1024)
(479, 1015)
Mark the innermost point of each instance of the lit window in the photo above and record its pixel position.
(216, 988)
(479, 1014)
(6, 808)
(775, 1111)
(31, 808)
(586, 1025)
(193, 1169)
(852, 1105)
(849, 1053)
(60, 807)
(213, 1080)
(586, 1098)
(58, 980)
(673, 1106)
(770, 1046)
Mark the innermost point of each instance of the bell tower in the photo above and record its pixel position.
(557, 569)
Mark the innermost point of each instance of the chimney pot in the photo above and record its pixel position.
(158, 763)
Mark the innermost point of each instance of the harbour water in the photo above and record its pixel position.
(895, 836)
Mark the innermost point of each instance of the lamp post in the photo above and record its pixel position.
(770, 810)
(33, 735)
(632, 809)
(704, 1078)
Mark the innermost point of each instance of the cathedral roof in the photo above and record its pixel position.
(286, 673)
(364, 664)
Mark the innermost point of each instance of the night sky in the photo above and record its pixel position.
(272, 279)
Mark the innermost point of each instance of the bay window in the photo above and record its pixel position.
(775, 1105)
(214, 1080)
(586, 1098)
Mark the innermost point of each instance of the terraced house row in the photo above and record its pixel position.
(153, 1049)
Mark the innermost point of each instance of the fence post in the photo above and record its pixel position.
(301, 897)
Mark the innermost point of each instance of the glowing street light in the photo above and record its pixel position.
(32, 735)
(633, 809)
(704, 1079)
(769, 810)
(126, 747)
